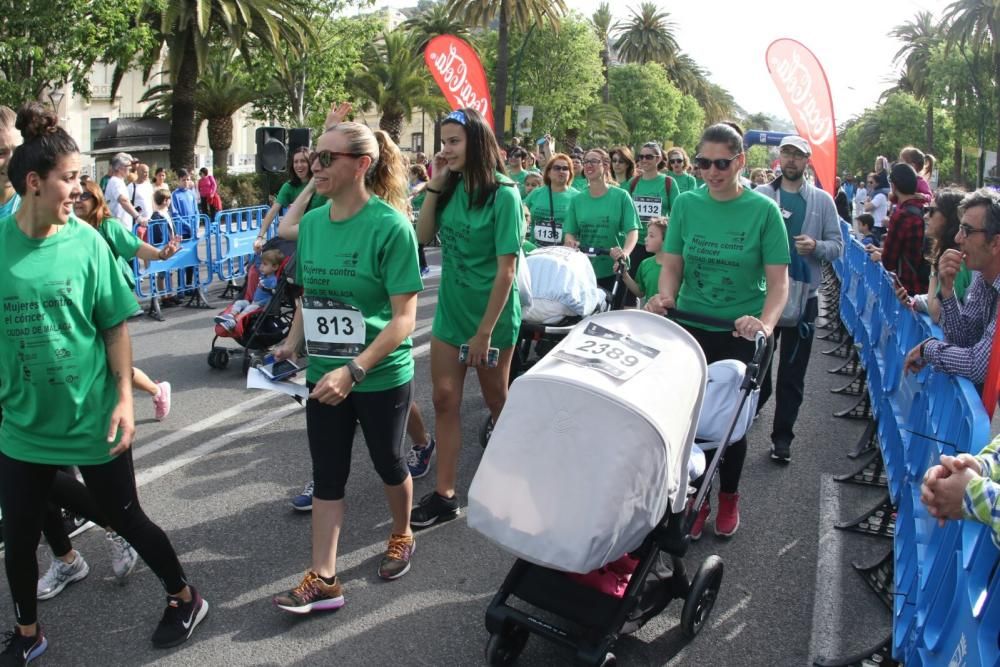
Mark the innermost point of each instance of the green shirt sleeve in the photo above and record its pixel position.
(113, 298)
(287, 194)
(508, 221)
(674, 243)
(124, 243)
(630, 215)
(672, 197)
(398, 261)
(570, 225)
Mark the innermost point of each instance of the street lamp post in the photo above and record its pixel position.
(55, 99)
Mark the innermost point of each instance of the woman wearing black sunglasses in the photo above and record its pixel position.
(726, 256)
(654, 194)
(622, 165)
(548, 204)
(678, 162)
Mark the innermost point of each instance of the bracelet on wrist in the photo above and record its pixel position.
(431, 190)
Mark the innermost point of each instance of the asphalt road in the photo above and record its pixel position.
(218, 474)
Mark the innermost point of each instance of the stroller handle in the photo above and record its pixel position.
(763, 346)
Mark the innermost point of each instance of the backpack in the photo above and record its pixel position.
(667, 184)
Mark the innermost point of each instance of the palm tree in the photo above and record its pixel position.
(603, 125)
(601, 22)
(758, 121)
(718, 104)
(919, 36)
(433, 21)
(977, 23)
(185, 26)
(394, 81)
(518, 14)
(648, 36)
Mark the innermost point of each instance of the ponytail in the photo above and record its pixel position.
(387, 176)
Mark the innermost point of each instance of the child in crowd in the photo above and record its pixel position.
(647, 277)
(270, 262)
(866, 223)
(531, 181)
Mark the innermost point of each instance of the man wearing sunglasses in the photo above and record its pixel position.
(814, 235)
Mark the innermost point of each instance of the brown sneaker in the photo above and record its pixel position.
(396, 561)
(313, 594)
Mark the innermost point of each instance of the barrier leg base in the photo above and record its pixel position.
(154, 310)
(835, 335)
(198, 300)
(878, 576)
(233, 290)
(861, 410)
(855, 387)
(849, 367)
(871, 473)
(867, 443)
(880, 654)
(879, 521)
(843, 350)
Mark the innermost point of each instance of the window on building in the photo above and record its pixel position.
(96, 126)
(417, 142)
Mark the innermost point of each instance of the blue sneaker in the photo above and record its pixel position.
(424, 272)
(419, 459)
(304, 501)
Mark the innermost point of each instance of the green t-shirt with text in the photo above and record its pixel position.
(56, 390)
(348, 269)
(543, 210)
(725, 247)
(651, 200)
(471, 241)
(684, 182)
(289, 193)
(601, 222)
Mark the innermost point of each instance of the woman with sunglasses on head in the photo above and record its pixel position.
(678, 163)
(478, 214)
(549, 203)
(727, 257)
(357, 265)
(602, 217)
(71, 403)
(622, 165)
(653, 193)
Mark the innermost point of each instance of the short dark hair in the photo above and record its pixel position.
(991, 200)
(160, 197)
(44, 144)
(904, 178)
(274, 257)
(866, 219)
(182, 173)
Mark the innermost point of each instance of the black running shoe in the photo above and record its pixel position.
(433, 508)
(179, 620)
(20, 650)
(781, 451)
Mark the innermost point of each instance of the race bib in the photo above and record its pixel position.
(607, 351)
(548, 232)
(648, 207)
(332, 328)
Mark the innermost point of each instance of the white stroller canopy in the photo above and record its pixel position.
(564, 276)
(592, 447)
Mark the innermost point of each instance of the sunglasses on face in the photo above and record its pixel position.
(326, 158)
(617, 160)
(560, 167)
(676, 160)
(721, 163)
(84, 196)
(648, 156)
(594, 162)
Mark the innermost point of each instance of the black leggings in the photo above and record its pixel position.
(330, 428)
(68, 493)
(25, 489)
(718, 345)
(422, 255)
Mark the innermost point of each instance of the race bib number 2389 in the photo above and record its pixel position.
(607, 351)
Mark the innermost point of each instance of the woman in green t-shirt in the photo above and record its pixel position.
(298, 167)
(653, 193)
(66, 381)
(476, 210)
(357, 265)
(549, 203)
(726, 257)
(91, 207)
(678, 163)
(602, 217)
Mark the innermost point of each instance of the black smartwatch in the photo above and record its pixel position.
(358, 374)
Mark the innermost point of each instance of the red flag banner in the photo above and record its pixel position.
(804, 88)
(459, 73)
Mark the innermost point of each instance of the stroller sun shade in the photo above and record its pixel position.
(592, 447)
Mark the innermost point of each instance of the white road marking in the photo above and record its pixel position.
(788, 547)
(826, 598)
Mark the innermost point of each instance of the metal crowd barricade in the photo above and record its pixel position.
(180, 275)
(946, 580)
(230, 241)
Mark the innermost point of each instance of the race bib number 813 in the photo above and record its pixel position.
(332, 328)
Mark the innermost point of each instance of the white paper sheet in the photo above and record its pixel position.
(257, 380)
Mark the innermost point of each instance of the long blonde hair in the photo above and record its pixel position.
(386, 177)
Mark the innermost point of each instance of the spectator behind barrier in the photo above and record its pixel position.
(903, 245)
(866, 229)
(969, 327)
(966, 487)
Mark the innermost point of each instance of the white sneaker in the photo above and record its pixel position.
(60, 575)
(123, 556)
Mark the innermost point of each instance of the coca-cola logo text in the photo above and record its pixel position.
(798, 83)
(454, 79)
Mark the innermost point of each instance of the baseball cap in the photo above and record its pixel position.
(796, 141)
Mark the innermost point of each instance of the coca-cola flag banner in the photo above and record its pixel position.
(459, 73)
(803, 86)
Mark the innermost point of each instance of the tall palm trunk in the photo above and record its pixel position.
(957, 154)
(183, 130)
(995, 31)
(503, 57)
(220, 139)
(930, 125)
(605, 63)
(392, 123)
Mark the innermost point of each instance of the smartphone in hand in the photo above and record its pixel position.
(492, 356)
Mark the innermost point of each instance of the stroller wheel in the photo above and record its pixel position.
(609, 660)
(218, 358)
(504, 647)
(485, 431)
(701, 597)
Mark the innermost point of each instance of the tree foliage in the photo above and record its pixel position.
(656, 121)
(48, 44)
(647, 36)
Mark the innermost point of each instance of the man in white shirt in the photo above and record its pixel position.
(877, 204)
(142, 191)
(860, 195)
(118, 195)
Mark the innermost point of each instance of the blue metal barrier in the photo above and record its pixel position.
(946, 579)
(230, 241)
(181, 273)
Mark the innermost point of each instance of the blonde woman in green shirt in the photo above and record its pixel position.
(477, 212)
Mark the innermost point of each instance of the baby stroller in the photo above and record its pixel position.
(564, 290)
(258, 330)
(599, 400)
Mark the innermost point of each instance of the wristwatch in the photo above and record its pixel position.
(358, 374)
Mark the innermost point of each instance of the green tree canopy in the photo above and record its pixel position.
(655, 119)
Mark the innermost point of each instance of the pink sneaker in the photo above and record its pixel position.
(161, 402)
(728, 519)
(699, 523)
